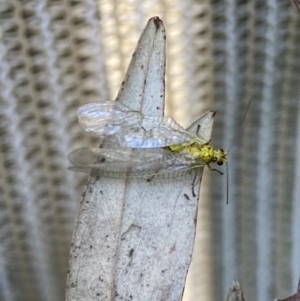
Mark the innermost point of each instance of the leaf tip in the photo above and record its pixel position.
(157, 21)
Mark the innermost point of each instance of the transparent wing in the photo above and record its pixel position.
(131, 163)
(150, 133)
(106, 118)
(130, 128)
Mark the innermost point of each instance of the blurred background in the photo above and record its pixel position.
(221, 55)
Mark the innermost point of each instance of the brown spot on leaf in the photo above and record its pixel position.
(186, 196)
(157, 22)
(173, 248)
(131, 253)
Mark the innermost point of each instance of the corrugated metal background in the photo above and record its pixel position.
(56, 55)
